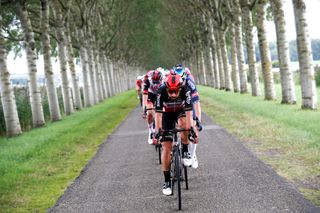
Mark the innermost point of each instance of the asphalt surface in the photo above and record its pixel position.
(125, 176)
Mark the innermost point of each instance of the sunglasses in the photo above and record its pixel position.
(175, 91)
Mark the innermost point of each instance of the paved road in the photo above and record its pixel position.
(124, 176)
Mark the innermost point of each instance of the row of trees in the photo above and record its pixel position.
(89, 30)
(117, 40)
(209, 28)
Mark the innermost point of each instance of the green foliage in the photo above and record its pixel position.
(24, 108)
(36, 167)
(275, 64)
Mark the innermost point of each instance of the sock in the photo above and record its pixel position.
(193, 149)
(166, 176)
(184, 147)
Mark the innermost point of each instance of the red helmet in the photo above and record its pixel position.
(156, 76)
(174, 81)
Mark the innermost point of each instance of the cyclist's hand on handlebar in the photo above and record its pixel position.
(158, 134)
(192, 136)
(144, 113)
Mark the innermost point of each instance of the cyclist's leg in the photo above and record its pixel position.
(166, 142)
(150, 117)
(186, 158)
(193, 146)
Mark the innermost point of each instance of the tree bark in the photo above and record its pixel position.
(220, 63)
(227, 74)
(29, 44)
(7, 94)
(50, 83)
(269, 90)
(66, 93)
(254, 76)
(239, 47)
(307, 77)
(235, 71)
(74, 78)
(286, 75)
(84, 66)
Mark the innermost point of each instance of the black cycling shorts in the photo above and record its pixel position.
(152, 98)
(169, 120)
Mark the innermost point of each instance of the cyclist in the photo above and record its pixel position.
(188, 79)
(172, 105)
(139, 82)
(152, 82)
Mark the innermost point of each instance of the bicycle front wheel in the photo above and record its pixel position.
(177, 161)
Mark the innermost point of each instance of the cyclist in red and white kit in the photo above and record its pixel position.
(139, 84)
(153, 80)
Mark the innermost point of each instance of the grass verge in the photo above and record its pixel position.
(36, 167)
(283, 136)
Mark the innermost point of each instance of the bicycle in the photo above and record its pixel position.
(176, 164)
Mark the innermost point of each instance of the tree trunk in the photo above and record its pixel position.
(214, 56)
(50, 84)
(239, 47)
(105, 75)
(7, 95)
(287, 83)
(235, 71)
(224, 54)
(269, 90)
(92, 75)
(254, 76)
(84, 65)
(111, 75)
(220, 63)
(67, 99)
(307, 77)
(98, 76)
(203, 68)
(74, 78)
(29, 44)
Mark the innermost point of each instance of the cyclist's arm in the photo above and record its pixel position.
(189, 119)
(195, 97)
(145, 93)
(188, 108)
(158, 107)
(197, 109)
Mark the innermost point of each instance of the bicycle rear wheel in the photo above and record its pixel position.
(159, 151)
(177, 161)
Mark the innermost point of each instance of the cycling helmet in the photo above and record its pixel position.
(160, 69)
(178, 69)
(156, 76)
(173, 82)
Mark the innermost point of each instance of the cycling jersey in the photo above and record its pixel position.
(189, 81)
(151, 86)
(181, 103)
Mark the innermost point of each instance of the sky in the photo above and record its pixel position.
(19, 66)
(312, 16)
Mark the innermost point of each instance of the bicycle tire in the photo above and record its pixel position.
(186, 176)
(159, 151)
(178, 177)
(172, 172)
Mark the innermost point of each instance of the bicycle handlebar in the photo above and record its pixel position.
(191, 136)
